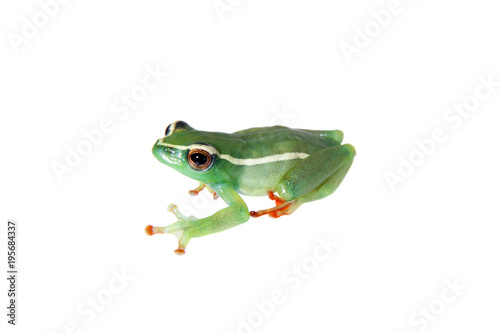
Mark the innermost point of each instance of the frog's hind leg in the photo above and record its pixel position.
(336, 135)
(313, 178)
(331, 184)
(282, 207)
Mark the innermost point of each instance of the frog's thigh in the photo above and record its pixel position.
(318, 175)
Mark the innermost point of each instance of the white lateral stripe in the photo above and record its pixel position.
(240, 161)
(264, 160)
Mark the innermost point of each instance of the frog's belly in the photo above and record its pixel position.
(258, 180)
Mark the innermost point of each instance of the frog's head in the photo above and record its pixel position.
(188, 151)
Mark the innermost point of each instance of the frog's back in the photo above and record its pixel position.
(280, 139)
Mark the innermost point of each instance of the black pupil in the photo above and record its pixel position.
(199, 158)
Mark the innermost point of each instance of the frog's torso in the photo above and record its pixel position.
(252, 161)
(263, 155)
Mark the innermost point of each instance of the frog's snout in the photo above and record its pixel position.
(161, 152)
(158, 151)
(167, 155)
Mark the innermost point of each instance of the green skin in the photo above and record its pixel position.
(299, 165)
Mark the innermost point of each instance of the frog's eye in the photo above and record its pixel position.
(178, 125)
(167, 131)
(199, 159)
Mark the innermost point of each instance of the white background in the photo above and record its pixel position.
(264, 63)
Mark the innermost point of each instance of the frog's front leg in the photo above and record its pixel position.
(313, 178)
(200, 188)
(189, 227)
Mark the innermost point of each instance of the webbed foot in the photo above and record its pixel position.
(181, 229)
(282, 207)
(201, 187)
